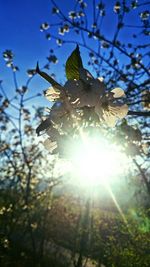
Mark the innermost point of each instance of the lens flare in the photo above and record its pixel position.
(96, 161)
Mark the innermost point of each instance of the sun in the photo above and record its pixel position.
(96, 161)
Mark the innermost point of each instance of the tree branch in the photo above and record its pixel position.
(139, 113)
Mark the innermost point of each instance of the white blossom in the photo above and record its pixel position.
(86, 91)
(109, 107)
(52, 94)
(44, 26)
(50, 145)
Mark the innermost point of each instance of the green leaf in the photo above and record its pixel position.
(73, 64)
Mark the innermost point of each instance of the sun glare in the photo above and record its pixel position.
(97, 162)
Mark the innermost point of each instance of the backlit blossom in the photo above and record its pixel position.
(50, 145)
(52, 94)
(89, 92)
(70, 110)
(110, 108)
(86, 91)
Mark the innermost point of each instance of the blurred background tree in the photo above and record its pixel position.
(44, 220)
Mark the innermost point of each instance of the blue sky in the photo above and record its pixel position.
(19, 28)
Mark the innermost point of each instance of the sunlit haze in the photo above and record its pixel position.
(96, 161)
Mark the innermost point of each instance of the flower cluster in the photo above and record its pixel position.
(80, 103)
(90, 92)
(8, 57)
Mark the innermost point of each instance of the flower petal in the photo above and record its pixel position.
(113, 112)
(52, 94)
(49, 145)
(118, 92)
(106, 116)
(120, 111)
(110, 119)
(101, 79)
